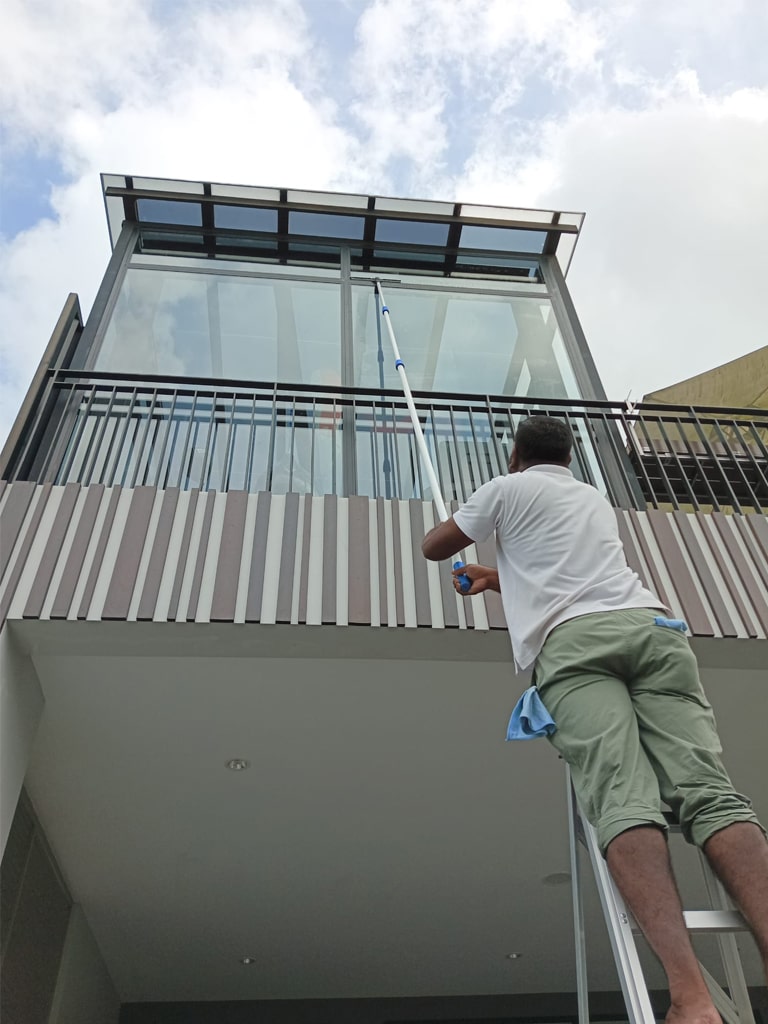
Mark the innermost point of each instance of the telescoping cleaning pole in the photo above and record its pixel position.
(464, 581)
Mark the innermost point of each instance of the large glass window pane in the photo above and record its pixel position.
(212, 325)
(475, 236)
(473, 344)
(327, 225)
(169, 211)
(244, 218)
(411, 232)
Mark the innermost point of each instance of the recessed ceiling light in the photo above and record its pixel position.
(238, 764)
(247, 960)
(514, 956)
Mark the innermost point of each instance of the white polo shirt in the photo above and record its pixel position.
(558, 553)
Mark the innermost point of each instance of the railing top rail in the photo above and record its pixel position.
(208, 386)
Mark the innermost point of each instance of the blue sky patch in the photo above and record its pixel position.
(26, 187)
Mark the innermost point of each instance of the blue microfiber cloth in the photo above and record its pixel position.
(530, 719)
(678, 624)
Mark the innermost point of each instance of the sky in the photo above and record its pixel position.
(649, 116)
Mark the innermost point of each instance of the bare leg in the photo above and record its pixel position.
(739, 857)
(639, 862)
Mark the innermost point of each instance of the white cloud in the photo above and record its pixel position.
(426, 68)
(668, 277)
(240, 107)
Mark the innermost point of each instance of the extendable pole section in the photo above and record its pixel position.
(464, 581)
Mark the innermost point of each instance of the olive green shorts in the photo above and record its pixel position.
(635, 726)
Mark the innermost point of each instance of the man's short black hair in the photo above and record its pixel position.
(543, 439)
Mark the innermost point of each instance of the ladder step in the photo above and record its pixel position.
(715, 921)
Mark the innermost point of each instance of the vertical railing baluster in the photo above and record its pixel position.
(184, 476)
(78, 429)
(312, 448)
(272, 441)
(110, 477)
(251, 446)
(166, 438)
(292, 443)
(139, 455)
(230, 438)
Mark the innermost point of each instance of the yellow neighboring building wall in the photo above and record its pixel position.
(741, 384)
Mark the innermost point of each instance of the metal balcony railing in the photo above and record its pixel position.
(191, 433)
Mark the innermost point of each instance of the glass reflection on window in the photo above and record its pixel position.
(468, 343)
(411, 232)
(169, 211)
(475, 236)
(244, 218)
(210, 325)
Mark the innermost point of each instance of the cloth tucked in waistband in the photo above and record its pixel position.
(530, 719)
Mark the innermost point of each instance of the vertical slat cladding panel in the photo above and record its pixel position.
(146, 555)
(420, 578)
(26, 543)
(725, 568)
(202, 553)
(687, 588)
(306, 529)
(486, 554)
(437, 621)
(342, 562)
(62, 555)
(469, 612)
(449, 596)
(398, 561)
(129, 554)
(634, 556)
(329, 559)
(252, 504)
(98, 556)
(382, 560)
(230, 558)
(706, 581)
(74, 565)
(157, 560)
(359, 577)
(759, 527)
(47, 564)
(315, 564)
(757, 598)
(258, 558)
(373, 562)
(759, 558)
(14, 511)
(657, 586)
(288, 559)
(181, 564)
(273, 547)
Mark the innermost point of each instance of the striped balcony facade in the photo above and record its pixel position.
(143, 554)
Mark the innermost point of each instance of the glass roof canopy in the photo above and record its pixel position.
(292, 225)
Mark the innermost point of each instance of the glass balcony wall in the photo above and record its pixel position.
(182, 317)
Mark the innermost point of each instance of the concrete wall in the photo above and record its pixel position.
(84, 990)
(21, 705)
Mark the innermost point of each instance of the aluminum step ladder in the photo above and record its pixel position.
(721, 919)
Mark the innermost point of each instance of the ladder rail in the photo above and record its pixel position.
(577, 899)
(733, 1006)
(729, 950)
(619, 923)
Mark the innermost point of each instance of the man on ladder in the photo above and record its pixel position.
(621, 683)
